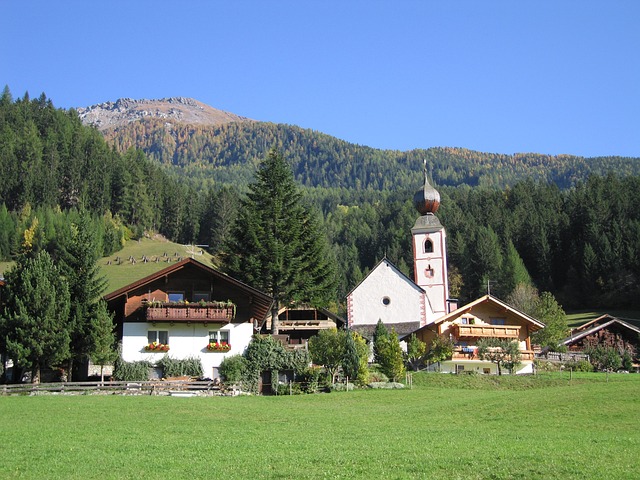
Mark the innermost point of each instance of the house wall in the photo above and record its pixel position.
(406, 301)
(184, 341)
(477, 366)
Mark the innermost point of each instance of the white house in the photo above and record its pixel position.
(187, 310)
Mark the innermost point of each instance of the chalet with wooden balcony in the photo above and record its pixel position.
(486, 317)
(187, 310)
(606, 331)
(298, 324)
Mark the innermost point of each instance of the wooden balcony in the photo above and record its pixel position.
(306, 324)
(471, 353)
(189, 313)
(484, 331)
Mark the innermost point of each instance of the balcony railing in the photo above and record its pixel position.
(471, 353)
(497, 331)
(171, 312)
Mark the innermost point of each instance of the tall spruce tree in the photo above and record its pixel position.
(78, 261)
(35, 320)
(276, 244)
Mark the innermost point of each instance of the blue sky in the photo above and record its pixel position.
(495, 76)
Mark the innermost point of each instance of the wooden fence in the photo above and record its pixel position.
(153, 387)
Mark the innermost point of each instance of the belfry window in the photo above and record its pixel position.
(428, 246)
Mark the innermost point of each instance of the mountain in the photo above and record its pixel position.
(109, 115)
(205, 146)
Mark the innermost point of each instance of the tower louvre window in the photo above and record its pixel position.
(428, 246)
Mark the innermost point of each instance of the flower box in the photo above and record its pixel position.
(157, 347)
(218, 347)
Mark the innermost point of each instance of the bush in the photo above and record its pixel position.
(545, 366)
(386, 385)
(342, 387)
(310, 379)
(579, 366)
(285, 389)
(376, 376)
(232, 369)
(172, 367)
(131, 371)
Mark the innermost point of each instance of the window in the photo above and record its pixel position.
(160, 336)
(497, 321)
(459, 369)
(486, 371)
(198, 296)
(429, 272)
(176, 296)
(386, 301)
(219, 336)
(428, 246)
(464, 321)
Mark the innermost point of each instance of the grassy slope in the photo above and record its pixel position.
(575, 319)
(119, 275)
(557, 429)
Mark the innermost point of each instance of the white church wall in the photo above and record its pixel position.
(388, 295)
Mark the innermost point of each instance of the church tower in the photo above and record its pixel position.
(430, 248)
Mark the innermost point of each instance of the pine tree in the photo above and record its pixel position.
(514, 272)
(380, 337)
(351, 359)
(391, 358)
(35, 321)
(102, 337)
(78, 260)
(276, 244)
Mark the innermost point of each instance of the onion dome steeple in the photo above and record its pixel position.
(427, 199)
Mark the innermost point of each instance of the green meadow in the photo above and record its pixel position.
(166, 253)
(446, 427)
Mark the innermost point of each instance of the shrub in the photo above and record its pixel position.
(310, 379)
(386, 385)
(376, 376)
(342, 387)
(545, 366)
(233, 368)
(131, 371)
(286, 389)
(579, 366)
(172, 367)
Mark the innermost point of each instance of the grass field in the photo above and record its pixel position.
(445, 427)
(123, 273)
(119, 275)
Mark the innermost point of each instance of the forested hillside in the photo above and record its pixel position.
(581, 243)
(228, 154)
(51, 162)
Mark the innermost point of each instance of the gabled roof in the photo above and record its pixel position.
(595, 325)
(496, 302)
(387, 262)
(262, 300)
(332, 316)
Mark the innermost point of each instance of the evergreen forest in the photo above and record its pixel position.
(566, 225)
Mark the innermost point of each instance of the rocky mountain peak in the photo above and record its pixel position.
(110, 115)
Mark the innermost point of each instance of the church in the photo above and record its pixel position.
(422, 306)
